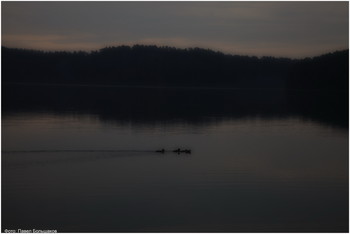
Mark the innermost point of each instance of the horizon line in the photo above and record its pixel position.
(173, 47)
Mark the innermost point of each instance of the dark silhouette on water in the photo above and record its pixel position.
(187, 151)
(162, 105)
(160, 151)
(177, 151)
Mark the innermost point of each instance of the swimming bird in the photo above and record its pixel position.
(187, 151)
(160, 151)
(177, 151)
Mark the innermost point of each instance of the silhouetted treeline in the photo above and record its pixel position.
(152, 65)
(329, 71)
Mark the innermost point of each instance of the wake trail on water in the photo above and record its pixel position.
(77, 151)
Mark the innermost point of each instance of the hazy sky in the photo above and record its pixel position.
(291, 29)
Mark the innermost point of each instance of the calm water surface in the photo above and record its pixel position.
(248, 174)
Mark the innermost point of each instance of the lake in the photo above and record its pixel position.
(81, 159)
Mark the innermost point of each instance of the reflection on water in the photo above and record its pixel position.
(246, 175)
(90, 168)
(197, 106)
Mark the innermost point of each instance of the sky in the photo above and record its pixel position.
(281, 29)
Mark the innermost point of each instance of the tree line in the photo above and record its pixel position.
(167, 66)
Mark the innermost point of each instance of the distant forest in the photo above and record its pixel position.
(168, 66)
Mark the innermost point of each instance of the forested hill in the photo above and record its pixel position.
(166, 66)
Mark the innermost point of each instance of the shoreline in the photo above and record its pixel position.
(165, 87)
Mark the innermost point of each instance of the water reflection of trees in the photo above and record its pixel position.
(194, 106)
